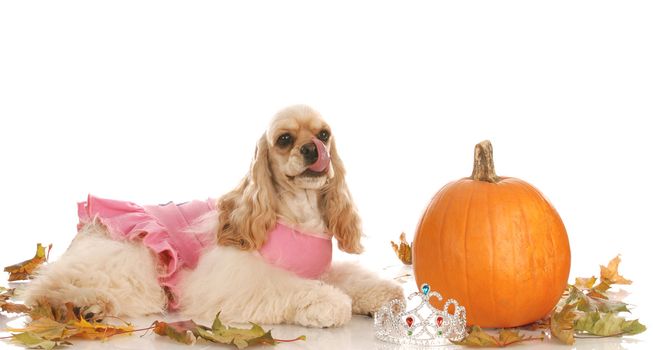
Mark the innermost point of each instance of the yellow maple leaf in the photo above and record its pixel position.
(25, 269)
(97, 331)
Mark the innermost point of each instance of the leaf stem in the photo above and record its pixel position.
(522, 340)
(133, 331)
(302, 337)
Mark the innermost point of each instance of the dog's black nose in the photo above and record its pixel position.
(309, 151)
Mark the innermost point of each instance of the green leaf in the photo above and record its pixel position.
(240, 337)
(633, 327)
(217, 324)
(33, 341)
(607, 324)
(209, 335)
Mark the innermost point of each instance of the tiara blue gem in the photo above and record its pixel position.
(425, 288)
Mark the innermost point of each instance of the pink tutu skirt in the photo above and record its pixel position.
(164, 229)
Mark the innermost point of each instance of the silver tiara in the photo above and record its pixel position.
(423, 325)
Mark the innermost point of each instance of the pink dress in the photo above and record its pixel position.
(306, 254)
(164, 229)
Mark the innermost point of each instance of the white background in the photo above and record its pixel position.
(159, 101)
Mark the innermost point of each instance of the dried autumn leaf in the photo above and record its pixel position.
(632, 327)
(42, 309)
(45, 328)
(7, 306)
(14, 308)
(610, 274)
(589, 303)
(188, 332)
(92, 331)
(477, 337)
(509, 337)
(240, 337)
(56, 325)
(562, 323)
(25, 269)
(182, 331)
(607, 324)
(61, 314)
(403, 250)
(585, 283)
(589, 309)
(599, 291)
(33, 341)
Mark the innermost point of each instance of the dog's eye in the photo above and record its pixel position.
(323, 136)
(284, 140)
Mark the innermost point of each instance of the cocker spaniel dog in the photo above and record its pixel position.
(261, 253)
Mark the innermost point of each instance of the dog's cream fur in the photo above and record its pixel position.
(108, 277)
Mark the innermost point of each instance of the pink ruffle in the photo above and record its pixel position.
(162, 228)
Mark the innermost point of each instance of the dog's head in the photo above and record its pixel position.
(297, 151)
(299, 144)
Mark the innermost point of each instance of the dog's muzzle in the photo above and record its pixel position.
(316, 155)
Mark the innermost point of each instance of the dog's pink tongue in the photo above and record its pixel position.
(323, 158)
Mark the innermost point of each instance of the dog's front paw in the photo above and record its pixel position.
(366, 301)
(94, 312)
(325, 307)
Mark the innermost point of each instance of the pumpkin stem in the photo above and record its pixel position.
(484, 163)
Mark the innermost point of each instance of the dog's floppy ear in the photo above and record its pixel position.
(249, 211)
(338, 209)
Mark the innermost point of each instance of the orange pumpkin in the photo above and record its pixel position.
(495, 244)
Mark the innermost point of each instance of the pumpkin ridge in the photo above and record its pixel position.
(527, 229)
(472, 191)
(493, 249)
(514, 257)
(544, 206)
(444, 220)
